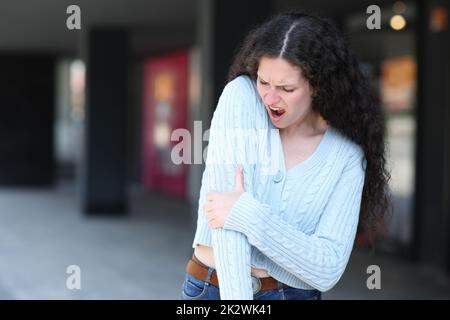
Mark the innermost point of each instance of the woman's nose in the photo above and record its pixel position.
(271, 97)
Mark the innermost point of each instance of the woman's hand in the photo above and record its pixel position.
(219, 204)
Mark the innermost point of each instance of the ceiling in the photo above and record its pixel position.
(41, 25)
(31, 25)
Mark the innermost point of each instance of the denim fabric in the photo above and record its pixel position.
(195, 289)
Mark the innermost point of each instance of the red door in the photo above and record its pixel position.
(165, 103)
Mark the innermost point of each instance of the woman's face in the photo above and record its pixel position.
(284, 91)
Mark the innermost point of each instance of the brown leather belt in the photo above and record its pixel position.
(200, 271)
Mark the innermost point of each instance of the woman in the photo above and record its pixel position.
(284, 228)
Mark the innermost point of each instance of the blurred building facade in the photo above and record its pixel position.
(99, 106)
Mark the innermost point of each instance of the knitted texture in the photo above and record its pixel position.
(298, 224)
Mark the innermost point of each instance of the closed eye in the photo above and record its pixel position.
(264, 83)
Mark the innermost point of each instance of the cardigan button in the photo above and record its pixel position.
(278, 177)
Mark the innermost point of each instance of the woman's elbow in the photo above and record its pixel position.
(327, 278)
(327, 284)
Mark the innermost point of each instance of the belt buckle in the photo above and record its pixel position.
(256, 284)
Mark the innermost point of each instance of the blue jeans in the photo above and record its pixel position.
(195, 289)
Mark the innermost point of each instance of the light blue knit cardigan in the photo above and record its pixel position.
(298, 224)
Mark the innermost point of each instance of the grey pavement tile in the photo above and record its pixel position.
(143, 255)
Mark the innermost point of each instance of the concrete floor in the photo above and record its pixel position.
(142, 256)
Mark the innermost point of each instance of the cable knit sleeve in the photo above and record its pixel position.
(226, 150)
(319, 259)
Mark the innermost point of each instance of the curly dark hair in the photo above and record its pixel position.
(341, 94)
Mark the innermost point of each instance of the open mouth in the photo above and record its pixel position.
(276, 113)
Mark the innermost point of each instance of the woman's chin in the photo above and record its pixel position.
(278, 125)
